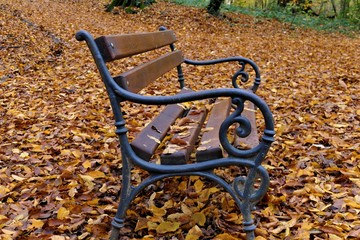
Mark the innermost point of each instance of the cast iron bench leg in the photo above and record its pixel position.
(126, 198)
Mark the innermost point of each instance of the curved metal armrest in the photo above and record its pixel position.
(235, 94)
(241, 72)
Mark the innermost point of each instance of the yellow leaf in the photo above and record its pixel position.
(205, 194)
(24, 155)
(8, 231)
(284, 226)
(72, 192)
(103, 188)
(17, 178)
(165, 227)
(96, 174)
(186, 209)
(152, 225)
(260, 238)
(62, 213)
(199, 218)
(76, 153)
(98, 220)
(338, 125)
(334, 237)
(159, 212)
(225, 236)
(65, 152)
(37, 148)
(57, 237)
(231, 217)
(194, 233)
(4, 190)
(93, 202)
(88, 180)
(182, 186)
(356, 181)
(16, 150)
(36, 224)
(86, 164)
(198, 186)
(351, 203)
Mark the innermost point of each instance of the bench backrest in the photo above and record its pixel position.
(115, 47)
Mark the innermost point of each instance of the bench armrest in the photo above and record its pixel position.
(241, 72)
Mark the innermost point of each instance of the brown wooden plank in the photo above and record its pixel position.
(181, 145)
(119, 46)
(210, 147)
(253, 139)
(141, 76)
(146, 142)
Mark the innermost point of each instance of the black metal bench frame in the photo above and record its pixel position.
(242, 189)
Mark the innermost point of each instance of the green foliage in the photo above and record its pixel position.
(354, 12)
(294, 15)
(302, 19)
(194, 3)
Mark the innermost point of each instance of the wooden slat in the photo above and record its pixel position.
(253, 139)
(119, 46)
(146, 142)
(181, 145)
(210, 147)
(141, 76)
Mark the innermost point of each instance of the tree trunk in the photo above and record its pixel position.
(334, 7)
(214, 7)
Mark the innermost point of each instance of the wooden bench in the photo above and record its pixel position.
(189, 139)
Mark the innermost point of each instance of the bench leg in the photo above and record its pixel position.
(242, 190)
(247, 196)
(115, 232)
(248, 223)
(126, 198)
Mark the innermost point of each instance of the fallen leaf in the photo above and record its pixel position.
(166, 227)
(62, 213)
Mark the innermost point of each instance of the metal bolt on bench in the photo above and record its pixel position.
(214, 150)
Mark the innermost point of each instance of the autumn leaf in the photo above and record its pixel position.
(198, 186)
(141, 224)
(36, 224)
(157, 211)
(62, 213)
(198, 218)
(194, 233)
(86, 164)
(225, 236)
(96, 174)
(165, 227)
(88, 180)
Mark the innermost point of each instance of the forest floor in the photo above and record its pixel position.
(59, 163)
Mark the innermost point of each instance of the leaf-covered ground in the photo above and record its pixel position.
(59, 162)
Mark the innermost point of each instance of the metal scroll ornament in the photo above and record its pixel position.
(244, 76)
(243, 129)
